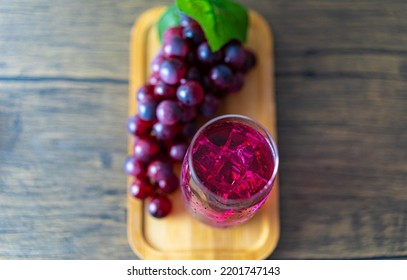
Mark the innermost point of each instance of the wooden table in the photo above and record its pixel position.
(341, 69)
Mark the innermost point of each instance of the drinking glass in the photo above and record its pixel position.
(228, 171)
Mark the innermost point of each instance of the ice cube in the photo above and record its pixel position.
(218, 135)
(254, 182)
(236, 138)
(204, 156)
(262, 163)
(241, 192)
(229, 173)
(246, 154)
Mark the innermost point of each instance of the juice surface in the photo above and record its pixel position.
(232, 160)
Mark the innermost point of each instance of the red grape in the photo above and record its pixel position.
(137, 126)
(168, 184)
(206, 56)
(172, 70)
(165, 132)
(145, 148)
(194, 34)
(144, 93)
(169, 112)
(159, 206)
(250, 61)
(134, 167)
(172, 32)
(159, 169)
(210, 105)
(154, 79)
(146, 110)
(238, 82)
(235, 56)
(186, 20)
(156, 63)
(165, 91)
(176, 47)
(190, 94)
(221, 76)
(141, 189)
(188, 113)
(178, 150)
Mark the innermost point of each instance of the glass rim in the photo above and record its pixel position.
(267, 137)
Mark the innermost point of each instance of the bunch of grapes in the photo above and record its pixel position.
(187, 80)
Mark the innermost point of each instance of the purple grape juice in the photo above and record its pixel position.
(228, 171)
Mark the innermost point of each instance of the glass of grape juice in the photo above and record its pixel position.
(228, 171)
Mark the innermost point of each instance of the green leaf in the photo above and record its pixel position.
(168, 19)
(221, 20)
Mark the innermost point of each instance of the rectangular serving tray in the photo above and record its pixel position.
(178, 236)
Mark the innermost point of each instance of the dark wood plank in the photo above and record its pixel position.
(341, 70)
(62, 189)
(343, 172)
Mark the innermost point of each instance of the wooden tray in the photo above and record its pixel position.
(178, 236)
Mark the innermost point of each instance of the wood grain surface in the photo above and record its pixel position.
(341, 77)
